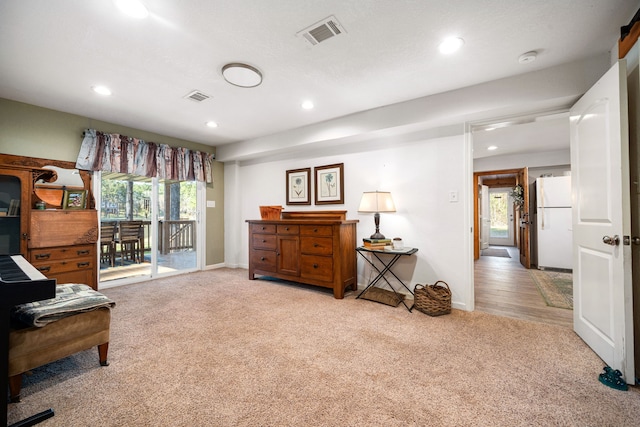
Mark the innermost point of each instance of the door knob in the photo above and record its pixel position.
(613, 241)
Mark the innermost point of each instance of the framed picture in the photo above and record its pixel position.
(329, 184)
(299, 186)
(74, 199)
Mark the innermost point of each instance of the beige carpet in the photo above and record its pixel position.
(215, 349)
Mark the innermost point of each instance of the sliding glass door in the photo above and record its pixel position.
(148, 226)
(177, 225)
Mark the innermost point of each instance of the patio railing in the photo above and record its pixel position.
(176, 235)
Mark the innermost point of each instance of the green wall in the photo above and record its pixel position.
(27, 130)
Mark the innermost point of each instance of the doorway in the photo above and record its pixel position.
(500, 217)
(503, 181)
(503, 284)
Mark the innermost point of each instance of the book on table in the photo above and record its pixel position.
(379, 244)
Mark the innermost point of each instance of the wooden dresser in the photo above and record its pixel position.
(314, 247)
(61, 243)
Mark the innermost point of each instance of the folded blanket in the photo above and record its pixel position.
(71, 298)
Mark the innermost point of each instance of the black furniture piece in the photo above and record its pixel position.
(387, 259)
(20, 283)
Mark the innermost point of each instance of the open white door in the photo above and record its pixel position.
(485, 219)
(603, 314)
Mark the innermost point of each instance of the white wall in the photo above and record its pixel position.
(418, 150)
(420, 175)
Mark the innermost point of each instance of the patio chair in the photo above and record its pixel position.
(130, 239)
(108, 243)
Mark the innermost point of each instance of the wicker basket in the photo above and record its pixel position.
(270, 212)
(434, 300)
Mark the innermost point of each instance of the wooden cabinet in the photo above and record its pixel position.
(61, 243)
(307, 247)
(14, 217)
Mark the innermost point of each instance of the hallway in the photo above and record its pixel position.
(505, 288)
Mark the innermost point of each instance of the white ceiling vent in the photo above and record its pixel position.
(196, 95)
(321, 31)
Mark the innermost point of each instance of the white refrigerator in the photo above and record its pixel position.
(553, 222)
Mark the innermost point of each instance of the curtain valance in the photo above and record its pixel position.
(112, 152)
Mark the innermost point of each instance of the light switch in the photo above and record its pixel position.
(453, 196)
(211, 203)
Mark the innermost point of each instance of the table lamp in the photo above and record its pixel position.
(376, 201)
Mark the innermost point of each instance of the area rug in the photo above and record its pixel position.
(556, 287)
(498, 252)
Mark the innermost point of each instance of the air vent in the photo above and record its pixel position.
(321, 31)
(198, 96)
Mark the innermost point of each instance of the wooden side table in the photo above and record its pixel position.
(387, 264)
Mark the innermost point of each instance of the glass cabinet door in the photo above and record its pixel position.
(13, 212)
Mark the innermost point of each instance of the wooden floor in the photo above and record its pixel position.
(505, 288)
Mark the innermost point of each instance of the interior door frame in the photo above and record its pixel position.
(510, 240)
(519, 175)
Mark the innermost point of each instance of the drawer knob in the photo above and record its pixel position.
(264, 228)
(261, 258)
(83, 264)
(264, 241)
(43, 256)
(315, 230)
(315, 265)
(315, 245)
(286, 228)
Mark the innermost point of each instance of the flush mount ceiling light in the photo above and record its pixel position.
(450, 45)
(242, 75)
(211, 124)
(307, 105)
(101, 90)
(133, 8)
(527, 57)
(492, 147)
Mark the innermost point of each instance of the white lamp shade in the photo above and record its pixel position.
(376, 201)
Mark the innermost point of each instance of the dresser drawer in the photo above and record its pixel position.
(318, 268)
(263, 241)
(51, 268)
(263, 228)
(62, 253)
(288, 229)
(317, 245)
(78, 276)
(316, 230)
(263, 260)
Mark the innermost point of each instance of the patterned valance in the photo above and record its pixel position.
(112, 152)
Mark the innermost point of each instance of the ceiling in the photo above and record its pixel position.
(53, 52)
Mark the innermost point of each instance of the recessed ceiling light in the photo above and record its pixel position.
(307, 105)
(450, 45)
(212, 124)
(242, 75)
(102, 90)
(492, 147)
(133, 8)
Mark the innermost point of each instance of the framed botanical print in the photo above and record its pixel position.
(329, 184)
(299, 186)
